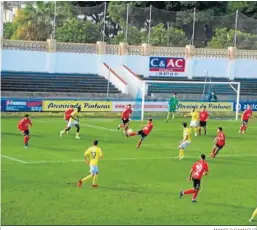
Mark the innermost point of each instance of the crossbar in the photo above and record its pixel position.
(194, 82)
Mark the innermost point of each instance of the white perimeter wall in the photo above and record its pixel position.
(135, 84)
(110, 75)
(15, 60)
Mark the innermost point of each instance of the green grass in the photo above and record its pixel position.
(132, 192)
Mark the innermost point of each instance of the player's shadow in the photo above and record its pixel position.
(246, 159)
(140, 190)
(216, 162)
(17, 134)
(229, 205)
(243, 138)
(104, 139)
(53, 148)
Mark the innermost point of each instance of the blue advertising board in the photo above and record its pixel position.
(21, 105)
(243, 105)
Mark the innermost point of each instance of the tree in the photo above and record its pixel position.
(160, 36)
(9, 30)
(176, 37)
(135, 37)
(94, 9)
(245, 7)
(78, 31)
(116, 19)
(34, 22)
(224, 38)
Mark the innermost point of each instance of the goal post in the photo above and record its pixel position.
(147, 95)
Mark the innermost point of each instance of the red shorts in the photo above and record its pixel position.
(220, 146)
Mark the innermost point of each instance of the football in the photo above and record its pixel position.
(130, 131)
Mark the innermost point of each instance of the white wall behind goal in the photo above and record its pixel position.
(35, 61)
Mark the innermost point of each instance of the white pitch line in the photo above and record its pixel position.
(100, 127)
(92, 126)
(134, 158)
(14, 159)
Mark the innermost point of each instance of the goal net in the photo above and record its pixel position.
(221, 98)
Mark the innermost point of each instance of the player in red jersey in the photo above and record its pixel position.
(220, 141)
(143, 132)
(67, 115)
(198, 169)
(247, 114)
(204, 115)
(23, 126)
(125, 117)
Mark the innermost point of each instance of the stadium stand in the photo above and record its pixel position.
(21, 84)
(46, 84)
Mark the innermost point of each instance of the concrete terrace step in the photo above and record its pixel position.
(61, 95)
(46, 82)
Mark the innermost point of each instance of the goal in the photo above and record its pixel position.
(156, 94)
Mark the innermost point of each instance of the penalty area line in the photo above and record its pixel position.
(133, 159)
(14, 159)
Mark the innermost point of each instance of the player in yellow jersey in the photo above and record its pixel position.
(194, 120)
(92, 155)
(74, 121)
(253, 215)
(185, 142)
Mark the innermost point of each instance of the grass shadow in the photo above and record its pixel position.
(18, 134)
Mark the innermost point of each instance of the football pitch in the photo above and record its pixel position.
(137, 186)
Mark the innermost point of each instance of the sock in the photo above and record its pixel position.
(26, 140)
(139, 144)
(244, 128)
(86, 178)
(173, 115)
(168, 116)
(189, 191)
(94, 179)
(241, 128)
(195, 129)
(205, 131)
(66, 130)
(213, 150)
(195, 194)
(133, 134)
(181, 152)
(254, 214)
(77, 134)
(200, 130)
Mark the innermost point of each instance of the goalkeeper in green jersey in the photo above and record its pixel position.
(173, 103)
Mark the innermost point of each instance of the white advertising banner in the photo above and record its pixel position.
(185, 106)
(118, 106)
